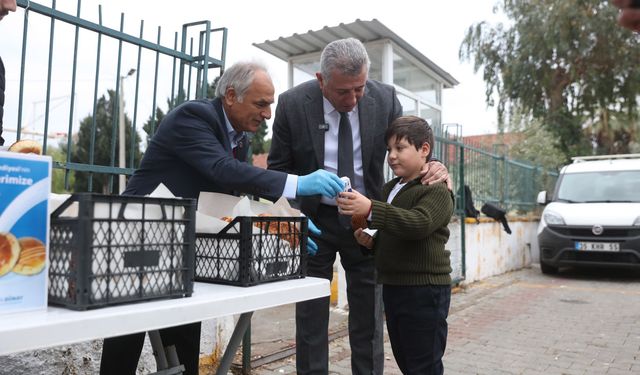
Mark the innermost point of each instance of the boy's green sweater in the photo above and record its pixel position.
(409, 247)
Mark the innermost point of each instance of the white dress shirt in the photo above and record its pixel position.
(332, 118)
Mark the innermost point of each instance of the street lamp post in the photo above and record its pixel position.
(122, 179)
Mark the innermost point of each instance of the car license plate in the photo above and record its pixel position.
(598, 246)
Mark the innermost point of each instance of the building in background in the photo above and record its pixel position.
(418, 80)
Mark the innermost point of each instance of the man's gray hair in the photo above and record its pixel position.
(348, 56)
(239, 76)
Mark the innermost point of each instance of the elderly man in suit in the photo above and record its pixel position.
(309, 133)
(201, 145)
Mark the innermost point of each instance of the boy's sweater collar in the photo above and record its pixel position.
(416, 180)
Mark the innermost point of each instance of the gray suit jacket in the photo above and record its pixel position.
(297, 145)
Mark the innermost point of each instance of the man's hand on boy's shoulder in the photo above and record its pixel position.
(433, 172)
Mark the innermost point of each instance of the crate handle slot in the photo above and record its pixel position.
(148, 258)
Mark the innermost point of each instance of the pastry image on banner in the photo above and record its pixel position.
(9, 252)
(32, 258)
(25, 256)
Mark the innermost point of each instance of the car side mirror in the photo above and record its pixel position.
(542, 198)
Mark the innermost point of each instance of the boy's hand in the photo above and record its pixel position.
(363, 238)
(353, 203)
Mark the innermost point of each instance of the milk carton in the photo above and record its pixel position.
(25, 184)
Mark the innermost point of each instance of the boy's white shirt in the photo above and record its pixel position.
(392, 194)
(395, 191)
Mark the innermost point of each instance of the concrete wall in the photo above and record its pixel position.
(490, 251)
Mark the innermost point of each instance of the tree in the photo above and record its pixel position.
(151, 125)
(58, 180)
(258, 142)
(106, 109)
(566, 64)
(536, 145)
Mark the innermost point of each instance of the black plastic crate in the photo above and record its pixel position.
(120, 249)
(247, 253)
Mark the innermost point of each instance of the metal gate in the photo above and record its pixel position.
(80, 65)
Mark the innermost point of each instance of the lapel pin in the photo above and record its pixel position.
(324, 127)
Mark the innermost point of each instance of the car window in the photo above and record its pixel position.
(606, 186)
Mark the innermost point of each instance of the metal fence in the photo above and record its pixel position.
(96, 60)
(491, 175)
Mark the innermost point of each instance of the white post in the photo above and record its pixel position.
(122, 179)
(387, 63)
(121, 140)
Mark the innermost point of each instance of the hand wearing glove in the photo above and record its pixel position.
(320, 182)
(312, 248)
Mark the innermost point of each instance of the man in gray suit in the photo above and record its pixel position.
(305, 138)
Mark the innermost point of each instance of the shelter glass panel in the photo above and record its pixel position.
(300, 76)
(305, 69)
(430, 114)
(409, 104)
(375, 56)
(409, 76)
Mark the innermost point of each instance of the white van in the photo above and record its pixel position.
(593, 218)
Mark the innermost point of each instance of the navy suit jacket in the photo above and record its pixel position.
(297, 145)
(191, 152)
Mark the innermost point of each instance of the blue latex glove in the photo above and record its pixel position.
(312, 248)
(320, 182)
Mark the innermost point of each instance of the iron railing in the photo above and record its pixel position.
(177, 73)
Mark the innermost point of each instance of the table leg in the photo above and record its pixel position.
(166, 366)
(234, 343)
(246, 351)
(158, 350)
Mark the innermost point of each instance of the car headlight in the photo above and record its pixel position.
(553, 218)
(636, 222)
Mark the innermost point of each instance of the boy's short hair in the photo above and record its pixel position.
(414, 129)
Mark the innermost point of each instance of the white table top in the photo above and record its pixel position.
(59, 326)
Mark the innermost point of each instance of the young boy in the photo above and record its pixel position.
(411, 261)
